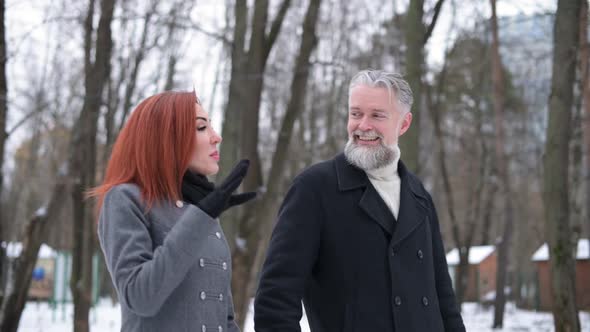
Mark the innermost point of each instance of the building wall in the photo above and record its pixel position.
(471, 291)
(487, 274)
(481, 278)
(582, 285)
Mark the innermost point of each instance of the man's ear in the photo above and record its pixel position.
(406, 121)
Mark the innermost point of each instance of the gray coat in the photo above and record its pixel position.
(171, 266)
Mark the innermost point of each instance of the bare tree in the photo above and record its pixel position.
(246, 82)
(242, 112)
(82, 158)
(556, 167)
(3, 134)
(501, 164)
(416, 34)
(21, 269)
(585, 82)
(257, 223)
(462, 243)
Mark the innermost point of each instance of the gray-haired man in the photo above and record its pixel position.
(357, 237)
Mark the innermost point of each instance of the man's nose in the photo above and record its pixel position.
(365, 124)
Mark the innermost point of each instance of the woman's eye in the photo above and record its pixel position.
(202, 128)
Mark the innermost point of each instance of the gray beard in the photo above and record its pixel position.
(368, 158)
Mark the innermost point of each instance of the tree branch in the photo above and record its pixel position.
(432, 24)
(276, 26)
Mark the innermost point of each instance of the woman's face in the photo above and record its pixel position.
(206, 156)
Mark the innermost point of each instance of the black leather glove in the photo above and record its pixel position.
(197, 190)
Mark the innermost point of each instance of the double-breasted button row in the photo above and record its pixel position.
(398, 301)
(419, 253)
(203, 295)
(203, 262)
(219, 328)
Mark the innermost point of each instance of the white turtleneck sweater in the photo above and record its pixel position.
(387, 182)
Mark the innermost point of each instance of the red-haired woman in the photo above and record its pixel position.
(158, 226)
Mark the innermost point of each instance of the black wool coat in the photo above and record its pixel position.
(338, 247)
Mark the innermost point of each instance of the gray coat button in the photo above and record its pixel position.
(204, 328)
(425, 301)
(398, 301)
(201, 262)
(224, 265)
(203, 296)
(420, 254)
(220, 328)
(220, 297)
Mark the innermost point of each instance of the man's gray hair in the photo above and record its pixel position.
(393, 82)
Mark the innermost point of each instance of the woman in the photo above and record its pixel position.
(158, 226)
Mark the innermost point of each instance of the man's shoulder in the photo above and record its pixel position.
(414, 182)
(319, 173)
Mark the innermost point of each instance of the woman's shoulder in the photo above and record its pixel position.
(127, 189)
(124, 193)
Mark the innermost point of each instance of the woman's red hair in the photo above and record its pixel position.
(154, 148)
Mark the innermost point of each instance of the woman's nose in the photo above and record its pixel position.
(215, 137)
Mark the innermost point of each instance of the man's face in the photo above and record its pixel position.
(374, 118)
(375, 122)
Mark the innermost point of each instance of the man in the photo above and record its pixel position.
(357, 237)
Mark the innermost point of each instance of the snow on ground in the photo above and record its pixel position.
(40, 317)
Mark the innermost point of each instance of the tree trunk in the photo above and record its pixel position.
(585, 78)
(501, 164)
(139, 56)
(82, 160)
(240, 128)
(21, 269)
(240, 123)
(247, 262)
(3, 135)
(416, 34)
(556, 164)
(462, 238)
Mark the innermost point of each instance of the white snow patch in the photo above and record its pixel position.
(41, 212)
(241, 243)
(476, 255)
(41, 317)
(583, 251)
(14, 249)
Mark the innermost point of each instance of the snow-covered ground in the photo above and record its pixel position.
(39, 317)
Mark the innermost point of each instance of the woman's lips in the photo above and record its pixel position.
(215, 155)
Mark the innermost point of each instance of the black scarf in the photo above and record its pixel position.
(195, 187)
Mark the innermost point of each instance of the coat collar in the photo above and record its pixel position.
(413, 199)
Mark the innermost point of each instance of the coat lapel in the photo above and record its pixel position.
(413, 201)
(374, 206)
(351, 177)
(413, 209)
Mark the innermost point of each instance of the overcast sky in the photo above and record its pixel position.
(26, 31)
